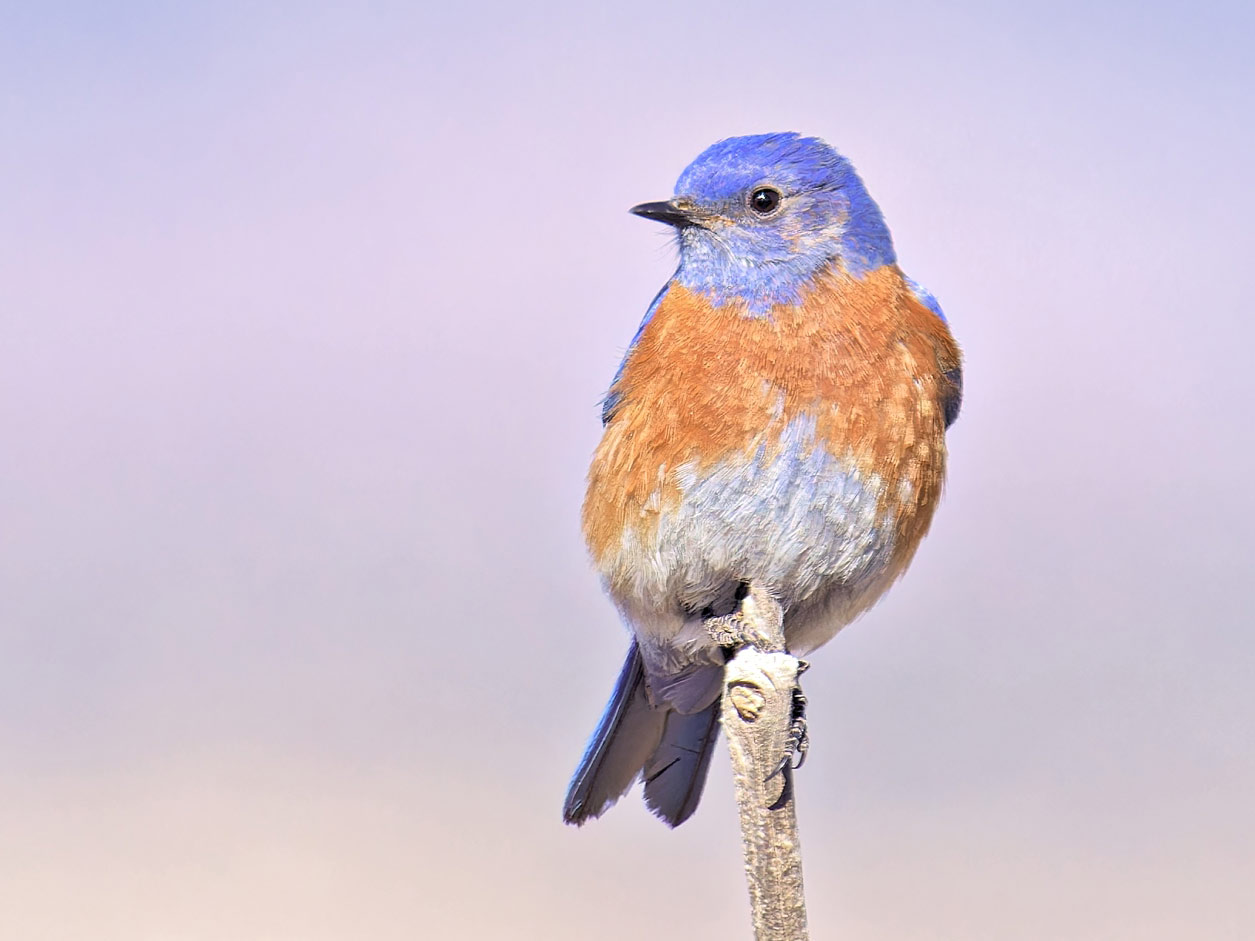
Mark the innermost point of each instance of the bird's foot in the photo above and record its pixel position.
(797, 741)
(757, 623)
(732, 632)
(746, 626)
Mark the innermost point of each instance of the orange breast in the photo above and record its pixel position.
(705, 384)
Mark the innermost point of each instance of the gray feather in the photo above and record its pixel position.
(627, 735)
(676, 773)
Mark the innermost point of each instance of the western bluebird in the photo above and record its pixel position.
(779, 419)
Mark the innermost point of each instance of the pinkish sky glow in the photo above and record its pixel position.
(306, 313)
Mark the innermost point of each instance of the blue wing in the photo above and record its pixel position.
(953, 398)
(924, 297)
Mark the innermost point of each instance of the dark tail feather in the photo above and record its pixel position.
(627, 735)
(676, 774)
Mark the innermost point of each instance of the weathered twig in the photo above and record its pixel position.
(756, 714)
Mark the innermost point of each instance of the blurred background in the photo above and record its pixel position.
(305, 315)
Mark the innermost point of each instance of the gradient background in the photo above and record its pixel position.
(305, 314)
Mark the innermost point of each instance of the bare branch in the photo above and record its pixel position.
(756, 714)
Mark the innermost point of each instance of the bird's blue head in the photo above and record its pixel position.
(758, 217)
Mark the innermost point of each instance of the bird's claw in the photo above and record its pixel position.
(797, 741)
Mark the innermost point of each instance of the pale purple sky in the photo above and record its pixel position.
(305, 314)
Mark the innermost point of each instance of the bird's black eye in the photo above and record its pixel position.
(764, 200)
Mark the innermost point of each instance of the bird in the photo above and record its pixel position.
(778, 420)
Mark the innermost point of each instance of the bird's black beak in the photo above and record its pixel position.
(670, 212)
